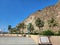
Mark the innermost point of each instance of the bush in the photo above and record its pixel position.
(58, 33)
(48, 33)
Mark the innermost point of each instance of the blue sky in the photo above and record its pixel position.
(13, 12)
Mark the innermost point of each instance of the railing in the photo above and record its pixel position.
(16, 35)
(10, 35)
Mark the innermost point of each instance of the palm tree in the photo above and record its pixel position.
(14, 30)
(30, 27)
(21, 26)
(39, 23)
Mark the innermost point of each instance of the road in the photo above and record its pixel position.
(16, 41)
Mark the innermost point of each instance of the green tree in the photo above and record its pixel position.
(21, 26)
(13, 31)
(30, 27)
(9, 28)
(39, 23)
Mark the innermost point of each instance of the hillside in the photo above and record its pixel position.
(45, 15)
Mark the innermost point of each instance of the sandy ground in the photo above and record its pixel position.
(35, 38)
(55, 40)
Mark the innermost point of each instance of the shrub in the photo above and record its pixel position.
(48, 33)
(58, 33)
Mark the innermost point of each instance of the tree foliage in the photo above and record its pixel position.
(39, 23)
(30, 27)
(48, 33)
(52, 22)
(13, 31)
(21, 26)
(9, 27)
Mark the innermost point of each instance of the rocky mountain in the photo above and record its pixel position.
(46, 14)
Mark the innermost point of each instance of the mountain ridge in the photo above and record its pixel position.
(45, 15)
